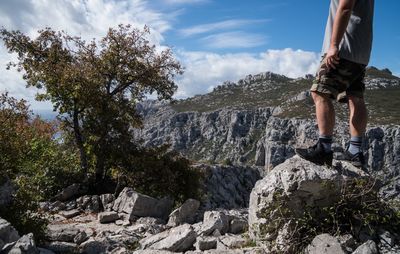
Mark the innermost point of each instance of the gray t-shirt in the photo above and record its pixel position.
(357, 41)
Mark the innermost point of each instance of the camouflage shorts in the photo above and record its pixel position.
(347, 79)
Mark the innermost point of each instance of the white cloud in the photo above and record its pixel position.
(92, 18)
(236, 39)
(217, 26)
(87, 18)
(205, 70)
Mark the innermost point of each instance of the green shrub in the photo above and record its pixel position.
(22, 213)
(157, 172)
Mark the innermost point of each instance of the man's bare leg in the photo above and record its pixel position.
(325, 113)
(358, 123)
(358, 116)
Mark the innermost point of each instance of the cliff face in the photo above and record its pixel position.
(257, 137)
(217, 136)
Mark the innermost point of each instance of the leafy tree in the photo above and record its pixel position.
(14, 115)
(37, 164)
(95, 85)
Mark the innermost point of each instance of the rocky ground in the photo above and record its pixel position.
(136, 223)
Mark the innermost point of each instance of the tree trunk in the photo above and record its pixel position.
(79, 143)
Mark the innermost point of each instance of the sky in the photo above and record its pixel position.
(215, 40)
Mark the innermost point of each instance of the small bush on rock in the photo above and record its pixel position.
(358, 209)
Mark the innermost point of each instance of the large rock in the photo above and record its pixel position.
(61, 233)
(136, 204)
(369, 247)
(25, 245)
(185, 213)
(176, 239)
(106, 217)
(290, 189)
(214, 220)
(70, 192)
(8, 233)
(324, 244)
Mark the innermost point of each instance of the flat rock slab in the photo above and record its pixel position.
(62, 232)
(62, 247)
(176, 239)
(107, 217)
(206, 243)
(70, 214)
(232, 241)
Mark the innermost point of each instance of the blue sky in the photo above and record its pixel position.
(286, 24)
(215, 40)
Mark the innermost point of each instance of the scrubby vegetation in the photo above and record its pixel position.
(358, 210)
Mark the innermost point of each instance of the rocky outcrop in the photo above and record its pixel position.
(288, 191)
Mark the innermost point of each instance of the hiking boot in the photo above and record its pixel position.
(316, 154)
(357, 160)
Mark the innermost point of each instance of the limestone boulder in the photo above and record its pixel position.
(176, 239)
(291, 188)
(185, 213)
(137, 204)
(325, 244)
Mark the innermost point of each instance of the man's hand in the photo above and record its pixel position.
(332, 57)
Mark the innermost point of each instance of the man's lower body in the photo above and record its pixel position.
(344, 84)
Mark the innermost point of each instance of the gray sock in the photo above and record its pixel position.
(326, 142)
(355, 145)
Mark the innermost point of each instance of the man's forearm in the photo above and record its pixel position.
(341, 21)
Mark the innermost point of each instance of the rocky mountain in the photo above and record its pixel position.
(260, 119)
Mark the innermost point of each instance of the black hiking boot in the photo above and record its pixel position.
(316, 154)
(357, 160)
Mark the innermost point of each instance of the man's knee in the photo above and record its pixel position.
(318, 96)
